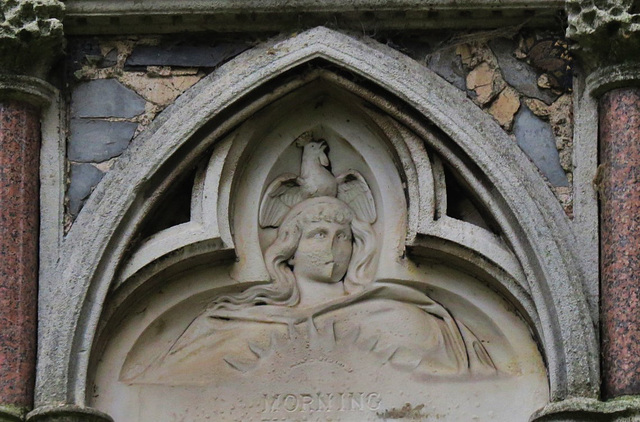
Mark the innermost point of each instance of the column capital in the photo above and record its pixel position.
(606, 35)
(28, 89)
(31, 36)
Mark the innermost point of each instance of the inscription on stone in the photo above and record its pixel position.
(320, 402)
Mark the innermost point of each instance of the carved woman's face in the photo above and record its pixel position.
(324, 252)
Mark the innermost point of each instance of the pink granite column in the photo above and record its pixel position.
(620, 241)
(19, 217)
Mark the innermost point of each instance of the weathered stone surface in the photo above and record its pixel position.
(31, 35)
(9, 413)
(606, 31)
(536, 139)
(505, 107)
(105, 98)
(98, 140)
(517, 73)
(184, 55)
(83, 178)
(619, 238)
(447, 63)
(538, 107)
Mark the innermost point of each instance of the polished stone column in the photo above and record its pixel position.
(19, 216)
(606, 37)
(30, 39)
(620, 241)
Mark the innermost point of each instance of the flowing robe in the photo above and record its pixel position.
(385, 323)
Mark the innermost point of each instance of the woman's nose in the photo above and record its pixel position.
(331, 246)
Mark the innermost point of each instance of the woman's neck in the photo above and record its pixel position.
(316, 292)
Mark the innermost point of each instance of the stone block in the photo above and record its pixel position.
(160, 90)
(98, 140)
(448, 65)
(105, 98)
(184, 55)
(110, 59)
(517, 73)
(485, 82)
(536, 139)
(83, 178)
(505, 107)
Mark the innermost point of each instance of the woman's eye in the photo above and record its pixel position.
(343, 236)
(320, 235)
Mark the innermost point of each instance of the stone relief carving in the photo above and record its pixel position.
(318, 315)
(322, 293)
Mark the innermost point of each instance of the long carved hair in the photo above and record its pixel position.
(283, 289)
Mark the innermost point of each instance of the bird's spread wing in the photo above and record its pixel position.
(354, 190)
(282, 194)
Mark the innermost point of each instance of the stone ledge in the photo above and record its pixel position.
(623, 409)
(67, 413)
(95, 6)
(167, 16)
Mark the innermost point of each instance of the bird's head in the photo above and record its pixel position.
(317, 149)
(312, 148)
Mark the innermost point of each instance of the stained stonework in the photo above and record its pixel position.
(161, 292)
